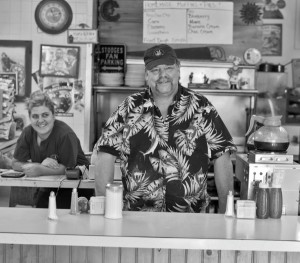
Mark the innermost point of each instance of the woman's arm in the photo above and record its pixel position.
(37, 169)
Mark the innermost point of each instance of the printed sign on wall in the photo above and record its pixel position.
(112, 58)
(188, 22)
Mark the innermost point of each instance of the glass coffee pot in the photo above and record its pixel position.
(269, 135)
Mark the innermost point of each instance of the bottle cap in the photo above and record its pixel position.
(52, 194)
(276, 186)
(263, 185)
(74, 190)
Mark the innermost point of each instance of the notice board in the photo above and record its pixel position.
(112, 58)
(188, 22)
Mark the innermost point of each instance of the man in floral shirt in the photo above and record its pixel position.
(165, 137)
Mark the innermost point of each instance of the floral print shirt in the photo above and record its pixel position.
(164, 162)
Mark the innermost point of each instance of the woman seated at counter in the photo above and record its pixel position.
(47, 147)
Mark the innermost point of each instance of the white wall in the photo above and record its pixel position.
(288, 36)
(17, 23)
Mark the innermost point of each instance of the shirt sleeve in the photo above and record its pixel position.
(112, 136)
(68, 150)
(22, 150)
(218, 138)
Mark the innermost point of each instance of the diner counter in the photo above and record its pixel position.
(149, 230)
(27, 233)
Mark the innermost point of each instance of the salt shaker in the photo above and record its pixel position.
(74, 202)
(52, 206)
(114, 201)
(230, 205)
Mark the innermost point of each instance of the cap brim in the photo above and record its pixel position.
(160, 61)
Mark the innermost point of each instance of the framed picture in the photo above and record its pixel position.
(59, 61)
(16, 58)
(9, 79)
(272, 40)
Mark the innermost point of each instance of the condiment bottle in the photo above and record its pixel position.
(263, 201)
(276, 194)
(74, 202)
(275, 201)
(230, 205)
(114, 201)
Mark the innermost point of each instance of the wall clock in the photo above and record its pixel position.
(53, 16)
(252, 56)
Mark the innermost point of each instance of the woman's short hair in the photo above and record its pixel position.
(39, 98)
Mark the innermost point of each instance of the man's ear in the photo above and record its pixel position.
(146, 76)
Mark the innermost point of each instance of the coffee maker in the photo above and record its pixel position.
(254, 167)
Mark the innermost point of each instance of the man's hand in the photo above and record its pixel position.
(32, 169)
(51, 163)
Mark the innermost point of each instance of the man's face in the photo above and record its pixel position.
(59, 53)
(163, 79)
(71, 58)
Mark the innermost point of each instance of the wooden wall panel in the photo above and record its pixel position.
(65, 254)
(293, 257)
(161, 255)
(2, 253)
(227, 256)
(244, 256)
(177, 256)
(128, 255)
(62, 254)
(277, 257)
(210, 256)
(261, 257)
(111, 255)
(145, 255)
(46, 254)
(95, 254)
(29, 254)
(78, 254)
(194, 256)
(13, 253)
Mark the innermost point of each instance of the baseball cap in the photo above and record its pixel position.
(159, 55)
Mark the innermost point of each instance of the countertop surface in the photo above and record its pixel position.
(149, 230)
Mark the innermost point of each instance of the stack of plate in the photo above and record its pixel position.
(111, 79)
(135, 75)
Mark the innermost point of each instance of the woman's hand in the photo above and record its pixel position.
(32, 169)
(51, 163)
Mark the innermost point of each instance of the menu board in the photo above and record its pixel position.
(188, 22)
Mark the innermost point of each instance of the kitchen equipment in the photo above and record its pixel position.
(250, 174)
(270, 157)
(270, 137)
(266, 67)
